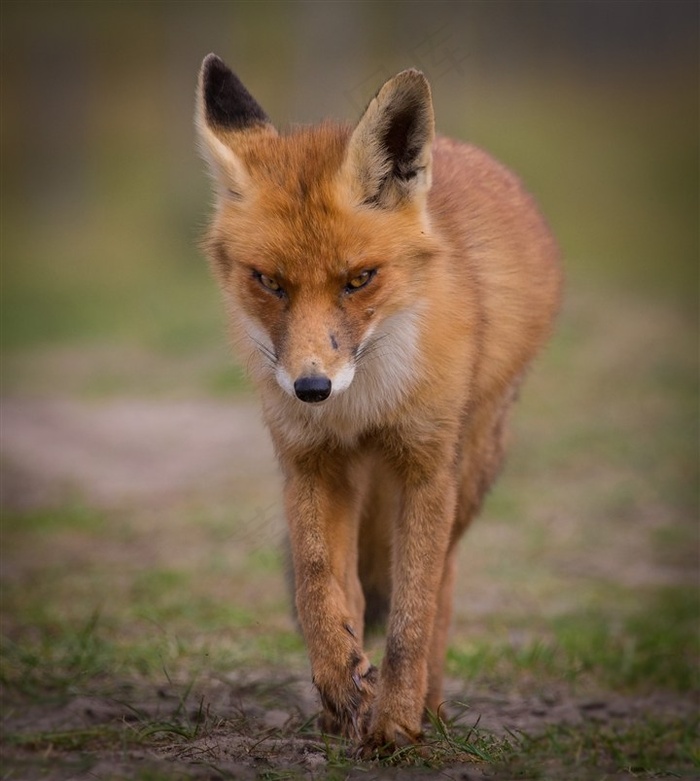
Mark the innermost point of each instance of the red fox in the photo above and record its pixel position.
(387, 289)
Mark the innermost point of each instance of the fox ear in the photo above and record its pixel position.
(225, 113)
(389, 155)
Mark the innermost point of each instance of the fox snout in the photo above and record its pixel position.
(314, 383)
(313, 388)
(315, 358)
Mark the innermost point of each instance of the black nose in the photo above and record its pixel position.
(314, 388)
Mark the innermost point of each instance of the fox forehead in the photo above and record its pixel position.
(304, 249)
(291, 216)
(300, 164)
(298, 248)
(297, 222)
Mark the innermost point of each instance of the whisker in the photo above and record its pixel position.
(267, 353)
(369, 347)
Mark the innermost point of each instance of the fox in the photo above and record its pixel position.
(386, 288)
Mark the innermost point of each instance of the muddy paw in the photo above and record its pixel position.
(346, 709)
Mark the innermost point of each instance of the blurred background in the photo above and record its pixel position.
(106, 296)
(104, 197)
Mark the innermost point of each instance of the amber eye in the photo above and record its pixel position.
(268, 283)
(359, 281)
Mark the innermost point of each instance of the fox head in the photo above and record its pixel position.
(320, 237)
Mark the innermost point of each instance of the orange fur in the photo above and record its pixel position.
(412, 279)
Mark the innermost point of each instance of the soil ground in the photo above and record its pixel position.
(152, 461)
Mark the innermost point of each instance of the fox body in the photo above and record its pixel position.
(387, 290)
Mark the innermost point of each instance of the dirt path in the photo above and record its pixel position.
(258, 723)
(126, 451)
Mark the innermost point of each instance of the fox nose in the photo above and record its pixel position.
(313, 388)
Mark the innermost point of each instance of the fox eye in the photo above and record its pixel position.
(359, 281)
(268, 283)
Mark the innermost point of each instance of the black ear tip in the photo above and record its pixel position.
(213, 63)
(227, 103)
(214, 70)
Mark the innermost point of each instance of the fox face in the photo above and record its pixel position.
(321, 241)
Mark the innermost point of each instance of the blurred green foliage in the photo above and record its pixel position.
(104, 198)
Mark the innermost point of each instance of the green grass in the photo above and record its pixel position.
(654, 648)
(117, 613)
(648, 749)
(93, 738)
(39, 522)
(57, 661)
(651, 749)
(130, 632)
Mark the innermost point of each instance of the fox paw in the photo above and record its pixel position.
(346, 710)
(383, 740)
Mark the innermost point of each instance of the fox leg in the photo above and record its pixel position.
(480, 465)
(443, 618)
(421, 542)
(438, 644)
(323, 515)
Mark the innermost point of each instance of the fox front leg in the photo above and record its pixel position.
(420, 546)
(323, 514)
